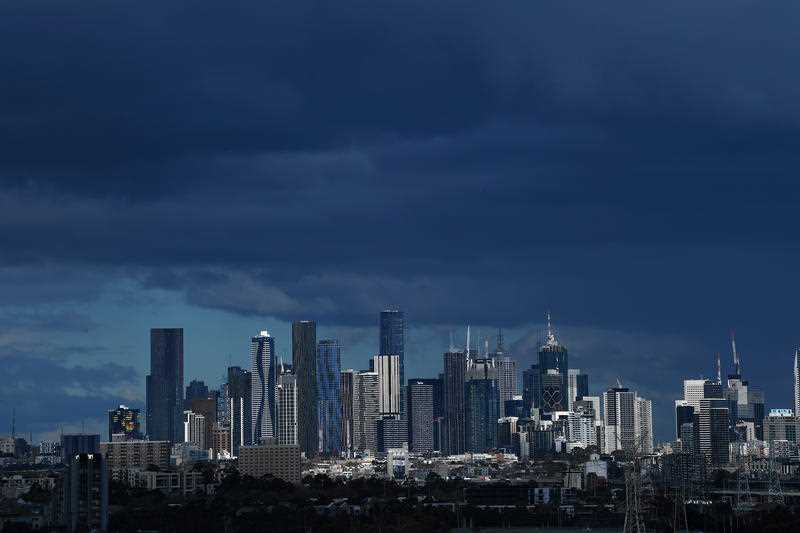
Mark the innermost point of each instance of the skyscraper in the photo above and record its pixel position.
(196, 389)
(346, 392)
(530, 389)
(643, 424)
(85, 493)
(388, 369)
(480, 415)
(553, 360)
(239, 395)
(365, 411)
(329, 405)
(165, 385)
(797, 383)
(455, 367)
(286, 407)
(304, 363)
(262, 378)
(393, 338)
(194, 429)
(619, 407)
(125, 421)
(506, 374)
(419, 408)
(578, 385)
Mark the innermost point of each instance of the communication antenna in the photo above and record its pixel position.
(719, 370)
(736, 362)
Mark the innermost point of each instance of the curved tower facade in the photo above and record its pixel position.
(262, 356)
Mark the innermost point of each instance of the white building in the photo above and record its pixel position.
(194, 429)
(388, 369)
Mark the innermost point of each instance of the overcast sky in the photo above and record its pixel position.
(228, 167)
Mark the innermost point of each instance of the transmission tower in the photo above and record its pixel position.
(775, 490)
(744, 500)
(679, 520)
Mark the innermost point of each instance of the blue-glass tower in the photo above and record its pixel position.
(329, 406)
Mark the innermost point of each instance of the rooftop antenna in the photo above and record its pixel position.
(499, 339)
(452, 344)
(619, 384)
(736, 362)
(551, 336)
(719, 370)
(469, 344)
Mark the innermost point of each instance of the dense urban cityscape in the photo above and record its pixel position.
(483, 444)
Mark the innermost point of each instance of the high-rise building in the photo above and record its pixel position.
(393, 340)
(388, 369)
(712, 431)
(507, 377)
(552, 395)
(530, 389)
(480, 415)
(419, 409)
(286, 404)
(329, 403)
(77, 443)
(196, 389)
(797, 382)
(346, 392)
(391, 433)
(239, 402)
(208, 408)
(553, 360)
(455, 367)
(85, 493)
(643, 424)
(165, 385)
(124, 421)
(684, 414)
(782, 424)
(366, 392)
(578, 385)
(194, 429)
(619, 407)
(128, 454)
(262, 378)
(304, 363)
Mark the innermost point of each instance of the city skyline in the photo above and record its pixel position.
(663, 410)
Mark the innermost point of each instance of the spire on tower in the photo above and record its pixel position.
(737, 364)
(719, 370)
(551, 336)
(499, 339)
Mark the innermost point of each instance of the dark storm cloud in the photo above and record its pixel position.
(46, 393)
(631, 165)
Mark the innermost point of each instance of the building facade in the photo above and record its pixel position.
(263, 380)
(165, 385)
(124, 421)
(329, 403)
(304, 363)
(455, 367)
(276, 460)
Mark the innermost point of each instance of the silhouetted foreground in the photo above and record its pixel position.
(244, 504)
